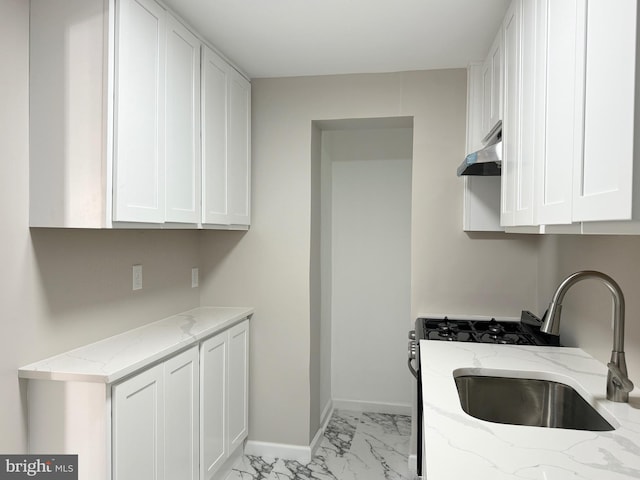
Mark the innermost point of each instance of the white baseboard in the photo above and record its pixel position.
(304, 453)
(375, 407)
(413, 464)
(301, 453)
(324, 420)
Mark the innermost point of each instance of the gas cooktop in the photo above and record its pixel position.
(523, 332)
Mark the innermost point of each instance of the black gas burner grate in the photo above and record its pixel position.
(482, 331)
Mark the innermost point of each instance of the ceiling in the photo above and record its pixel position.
(279, 38)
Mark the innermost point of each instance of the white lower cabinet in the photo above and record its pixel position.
(224, 399)
(155, 403)
(155, 422)
(238, 414)
(213, 447)
(138, 426)
(184, 418)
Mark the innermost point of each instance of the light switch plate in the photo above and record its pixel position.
(194, 277)
(137, 277)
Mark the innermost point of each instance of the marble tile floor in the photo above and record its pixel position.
(355, 446)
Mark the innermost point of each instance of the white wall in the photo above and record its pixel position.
(269, 266)
(61, 289)
(370, 264)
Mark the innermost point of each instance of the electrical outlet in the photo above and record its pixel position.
(194, 277)
(137, 277)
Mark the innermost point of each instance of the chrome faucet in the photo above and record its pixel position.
(618, 383)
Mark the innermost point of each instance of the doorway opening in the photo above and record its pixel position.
(360, 264)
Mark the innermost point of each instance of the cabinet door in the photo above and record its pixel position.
(182, 416)
(511, 115)
(182, 131)
(524, 42)
(138, 427)
(492, 72)
(495, 55)
(139, 112)
(560, 97)
(603, 182)
(215, 73)
(213, 405)
(239, 149)
(226, 148)
(238, 384)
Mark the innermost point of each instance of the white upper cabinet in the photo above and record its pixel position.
(239, 150)
(115, 112)
(226, 150)
(492, 85)
(481, 194)
(559, 94)
(182, 124)
(511, 115)
(607, 186)
(139, 174)
(544, 51)
(70, 121)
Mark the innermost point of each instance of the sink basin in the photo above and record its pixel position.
(525, 401)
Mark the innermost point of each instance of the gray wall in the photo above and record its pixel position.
(61, 289)
(587, 307)
(269, 267)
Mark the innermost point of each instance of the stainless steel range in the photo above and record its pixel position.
(470, 329)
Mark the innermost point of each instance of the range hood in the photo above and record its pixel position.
(486, 161)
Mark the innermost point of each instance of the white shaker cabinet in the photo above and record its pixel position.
(544, 71)
(182, 124)
(238, 414)
(226, 150)
(182, 415)
(115, 113)
(155, 422)
(138, 427)
(214, 448)
(139, 156)
(606, 184)
(491, 79)
(224, 400)
(481, 202)
(559, 97)
(144, 400)
(511, 114)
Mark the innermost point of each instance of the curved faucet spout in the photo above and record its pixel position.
(618, 384)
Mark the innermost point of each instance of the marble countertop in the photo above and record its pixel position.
(113, 358)
(458, 445)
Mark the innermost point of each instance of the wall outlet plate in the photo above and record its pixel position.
(194, 277)
(137, 277)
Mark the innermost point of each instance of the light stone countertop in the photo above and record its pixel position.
(113, 358)
(459, 446)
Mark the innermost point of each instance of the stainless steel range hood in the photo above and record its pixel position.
(486, 161)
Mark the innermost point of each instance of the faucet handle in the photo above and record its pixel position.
(619, 379)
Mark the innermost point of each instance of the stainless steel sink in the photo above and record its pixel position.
(524, 401)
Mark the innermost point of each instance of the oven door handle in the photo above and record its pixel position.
(411, 369)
